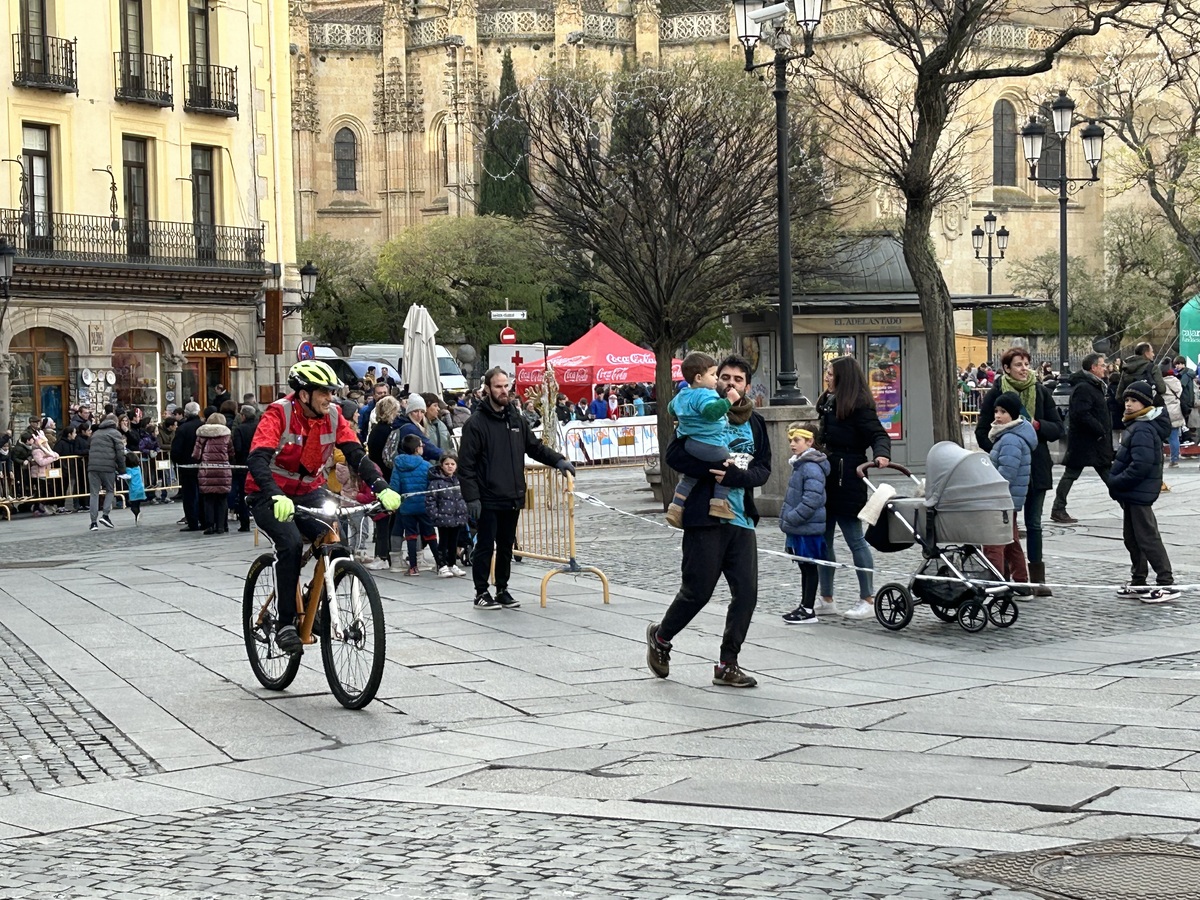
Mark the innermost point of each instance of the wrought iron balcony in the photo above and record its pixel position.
(64, 237)
(44, 62)
(210, 89)
(143, 78)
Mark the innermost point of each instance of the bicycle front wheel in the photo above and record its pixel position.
(273, 668)
(352, 636)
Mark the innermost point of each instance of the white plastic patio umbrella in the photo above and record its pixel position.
(420, 353)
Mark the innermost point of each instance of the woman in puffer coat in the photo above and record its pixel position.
(42, 462)
(1013, 444)
(1173, 401)
(214, 448)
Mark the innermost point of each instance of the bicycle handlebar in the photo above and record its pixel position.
(329, 516)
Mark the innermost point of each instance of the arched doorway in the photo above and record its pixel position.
(137, 364)
(38, 379)
(207, 369)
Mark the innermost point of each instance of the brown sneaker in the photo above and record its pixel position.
(721, 509)
(675, 515)
(658, 654)
(731, 675)
(1061, 517)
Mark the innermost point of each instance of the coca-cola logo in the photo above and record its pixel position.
(617, 375)
(633, 359)
(568, 360)
(574, 376)
(528, 376)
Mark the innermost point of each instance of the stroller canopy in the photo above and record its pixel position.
(960, 480)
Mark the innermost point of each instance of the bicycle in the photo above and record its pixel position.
(339, 607)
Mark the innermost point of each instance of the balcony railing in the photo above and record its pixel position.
(64, 237)
(143, 78)
(44, 62)
(210, 89)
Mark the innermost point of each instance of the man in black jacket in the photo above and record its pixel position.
(715, 547)
(1037, 405)
(1089, 440)
(243, 437)
(189, 479)
(491, 471)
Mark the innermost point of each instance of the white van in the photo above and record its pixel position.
(449, 373)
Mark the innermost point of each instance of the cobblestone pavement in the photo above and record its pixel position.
(645, 555)
(51, 736)
(350, 849)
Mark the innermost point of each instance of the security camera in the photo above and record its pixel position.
(770, 14)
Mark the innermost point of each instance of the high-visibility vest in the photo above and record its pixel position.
(290, 448)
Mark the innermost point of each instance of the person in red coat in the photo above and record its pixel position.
(214, 452)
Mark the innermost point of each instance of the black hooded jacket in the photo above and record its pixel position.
(491, 456)
(1089, 440)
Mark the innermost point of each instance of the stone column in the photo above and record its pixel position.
(173, 379)
(769, 498)
(6, 362)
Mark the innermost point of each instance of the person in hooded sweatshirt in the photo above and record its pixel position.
(1135, 482)
(802, 517)
(1013, 443)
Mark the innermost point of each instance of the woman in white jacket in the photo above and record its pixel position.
(1171, 400)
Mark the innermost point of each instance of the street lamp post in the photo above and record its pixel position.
(978, 234)
(8, 254)
(1032, 135)
(758, 21)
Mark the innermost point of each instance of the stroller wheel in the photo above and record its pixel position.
(945, 613)
(972, 616)
(1003, 612)
(893, 606)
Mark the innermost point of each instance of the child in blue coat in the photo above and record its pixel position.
(802, 517)
(410, 476)
(136, 484)
(1013, 443)
(448, 510)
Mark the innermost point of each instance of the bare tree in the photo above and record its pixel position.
(896, 101)
(664, 180)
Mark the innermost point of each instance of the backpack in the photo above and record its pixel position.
(392, 448)
(1187, 399)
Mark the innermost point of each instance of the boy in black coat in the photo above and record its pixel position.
(1089, 442)
(1134, 482)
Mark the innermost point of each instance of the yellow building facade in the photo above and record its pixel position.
(146, 186)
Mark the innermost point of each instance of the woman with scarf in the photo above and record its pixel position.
(1037, 405)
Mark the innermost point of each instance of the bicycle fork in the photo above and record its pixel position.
(336, 625)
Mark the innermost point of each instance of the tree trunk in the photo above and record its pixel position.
(937, 314)
(664, 391)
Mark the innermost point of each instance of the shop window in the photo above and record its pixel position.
(38, 379)
(137, 365)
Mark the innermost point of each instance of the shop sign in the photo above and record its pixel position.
(203, 345)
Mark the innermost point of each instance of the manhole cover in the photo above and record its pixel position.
(1135, 869)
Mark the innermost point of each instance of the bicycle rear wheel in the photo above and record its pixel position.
(354, 655)
(273, 668)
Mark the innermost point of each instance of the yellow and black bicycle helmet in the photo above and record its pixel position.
(312, 374)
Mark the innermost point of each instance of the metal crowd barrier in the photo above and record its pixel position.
(546, 529)
(625, 441)
(67, 480)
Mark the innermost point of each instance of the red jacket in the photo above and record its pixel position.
(291, 453)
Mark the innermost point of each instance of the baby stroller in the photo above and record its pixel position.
(967, 504)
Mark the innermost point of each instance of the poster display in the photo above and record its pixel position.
(1189, 331)
(833, 347)
(884, 378)
(757, 349)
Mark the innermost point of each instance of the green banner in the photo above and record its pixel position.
(1189, 330)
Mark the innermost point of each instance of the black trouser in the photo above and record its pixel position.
(496, 530)
(1145, 545)
(448, 544)
(383, 537)
(808, 584)
(289, 546)
(216, 511)
(1068, 478)
(189, 487)
(709, 553)
(239, 493)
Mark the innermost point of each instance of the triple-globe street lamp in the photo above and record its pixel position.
(758, 21)
(1062, 112)
(978, 235)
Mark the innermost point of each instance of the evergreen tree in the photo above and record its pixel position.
(504, 188)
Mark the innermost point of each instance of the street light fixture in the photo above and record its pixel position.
(978, 235)
(308, 288)
(756, 21)
(1033, 135)
(8, 255)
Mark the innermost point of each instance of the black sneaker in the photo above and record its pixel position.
(288, 640)
(507, 600)
(731, 675)
(107, 522)
(93, 527)
(800, 616)
(485, 601)
(658, 654)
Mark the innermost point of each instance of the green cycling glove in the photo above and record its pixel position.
(389, 499)
(284, 507)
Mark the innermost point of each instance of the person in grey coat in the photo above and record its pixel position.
(1013, 444)
(106, 458)
(802, 517)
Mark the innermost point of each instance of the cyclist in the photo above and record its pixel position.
(289, 458)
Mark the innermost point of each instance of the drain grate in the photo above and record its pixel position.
(1127, 869)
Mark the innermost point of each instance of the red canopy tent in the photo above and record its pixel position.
(599, 357)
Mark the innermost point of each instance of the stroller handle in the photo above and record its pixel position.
(873, 464)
